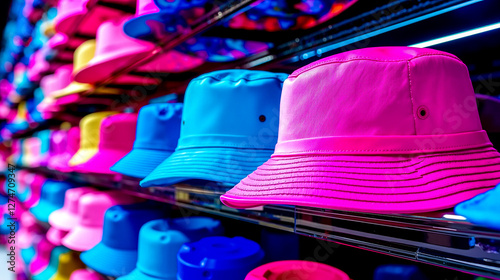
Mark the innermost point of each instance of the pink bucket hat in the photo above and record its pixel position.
(297, 270)
(67, 217)
(116, 140)
(91, 208)
(84, 274)
(74, 17)
(386, 130)
(60, 161)
(115, 51)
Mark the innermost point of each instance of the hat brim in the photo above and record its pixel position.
(224, 165)
(148, 27)
(55, 235)
(62, 220)
(136, 274)
(104, 66)
(110, 261)
(42, 211)
(101, 162)
(139, 163)
(82, 156)
(482, 209)
(364, 183)
(82, 238)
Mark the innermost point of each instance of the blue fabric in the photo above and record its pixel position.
(116, 254)
(160, 240)
(483, 209)
(218, 258)
(398, 272)
(51, 199)
(5, 227)
(28, 254)
(157, 134)
(229, 128)
(152, 27)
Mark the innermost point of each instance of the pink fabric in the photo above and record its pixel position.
(60, 162)
(35, 184)
(117, 135)
(67, 217)
(28, 230)
(69, 12)
(42, 257)
(296, 270)
(83, 274)
(55, 236)
(389, 130)
(91, 208)
(115, 51)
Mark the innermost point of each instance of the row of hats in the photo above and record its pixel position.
(231, 121)
(121, 236)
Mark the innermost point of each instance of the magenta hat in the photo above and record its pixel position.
(376, 130)
(67, 217)
(60, 161)
(55, 236)
(84, 274)
(58, 143)
(73, 16)
(296, 270)
(116, 140)
(34, 182)
(91, 208)
(42, 257)
(115, 51)
(27, 231)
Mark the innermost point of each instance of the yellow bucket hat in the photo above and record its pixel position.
(68, 262)
(83, 54)
(89, 139)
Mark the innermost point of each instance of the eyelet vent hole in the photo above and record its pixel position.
(262, 118)
(422, 112)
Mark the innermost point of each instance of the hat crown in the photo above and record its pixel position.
(83, 54)
(163, 239)
(58, 142)
(73, 140)
(117, 132)
(232, 108)
(123, 222)
(66, 8)
(73, 197)
(90, 129)
(93, 206)
(218, 256)
(68, 262)
(379, 92)
(145, 7)
(112, 39)
(158, 126)
(53, 192)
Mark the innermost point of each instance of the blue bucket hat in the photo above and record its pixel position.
(218, 258)
(229, 128)
(51, 199)
(482, 209)
(159, 242)
(116, 254)
(158, 129)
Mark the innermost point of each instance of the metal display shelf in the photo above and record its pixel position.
(437, 238)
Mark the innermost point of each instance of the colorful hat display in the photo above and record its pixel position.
(89, 137)
(31, 152)
(117, 134)
(60, 160)
(35, 183)
(163, 239)
(28, 231)
(91, 209)
(157, 134)
(68, 263)
(277, 15)
(299, 270)
(58, 144)
(51, 269)
(115, 51)
(229, 128)
(116, 254)
(340, 152)
(84, 274)
(52, 198)
(44, 136)
(482, 209)
(218, 258)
